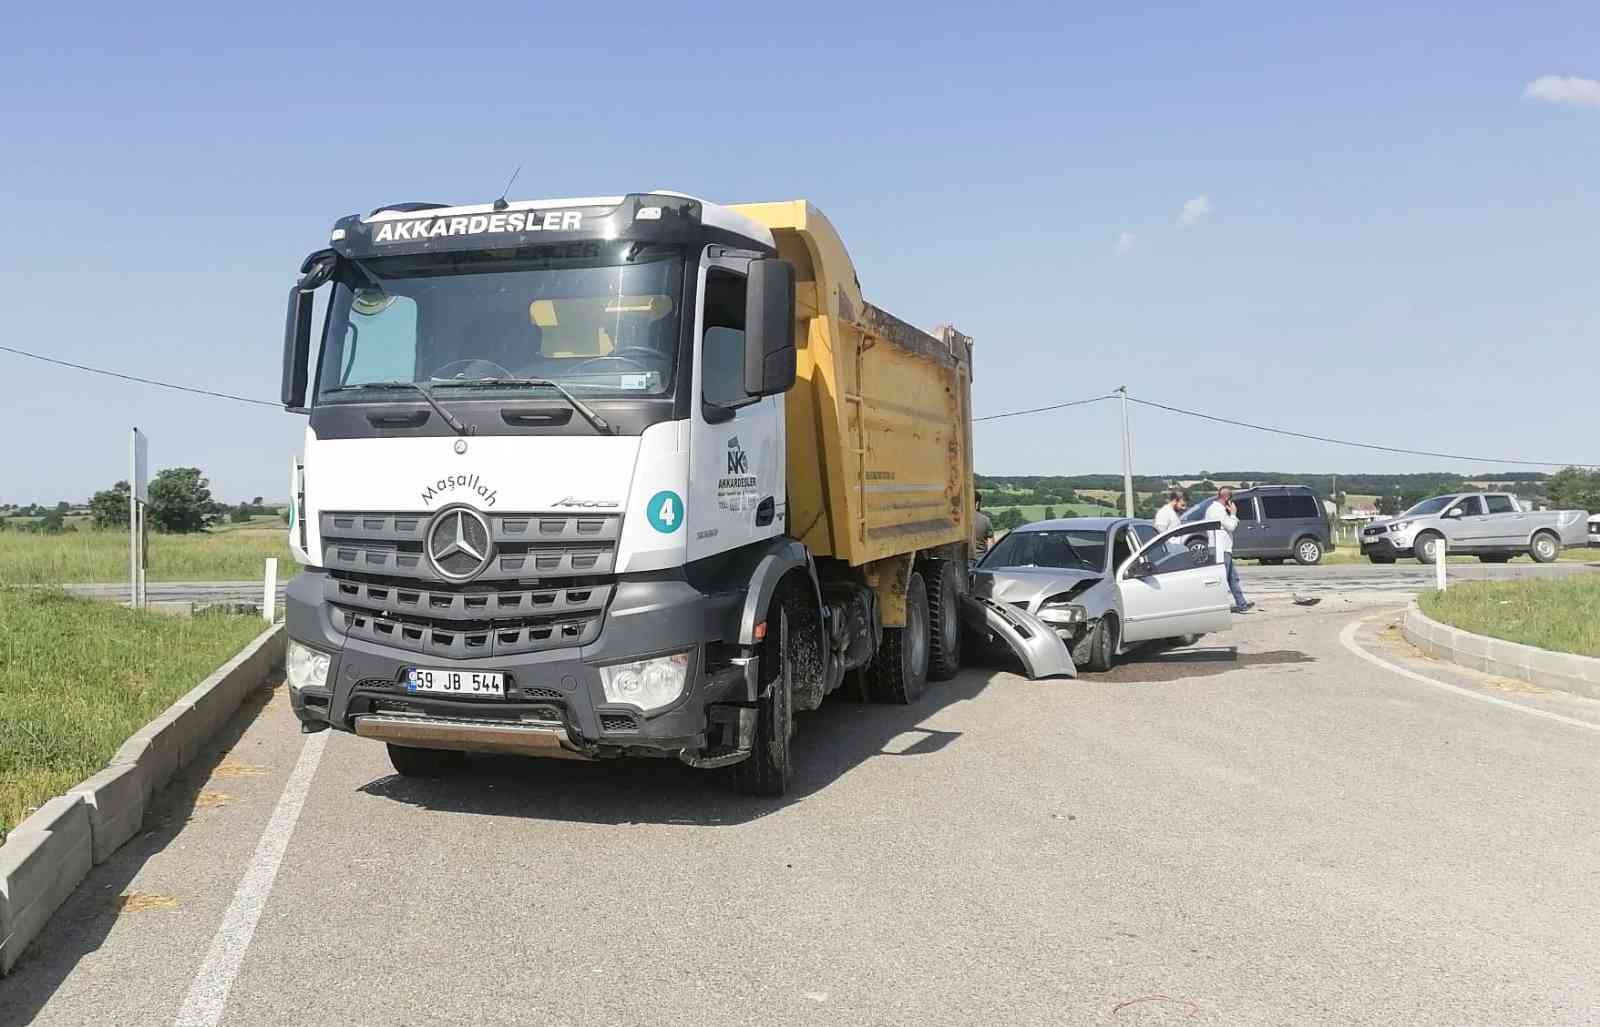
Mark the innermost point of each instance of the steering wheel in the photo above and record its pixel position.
(617, 354)
(500, 372)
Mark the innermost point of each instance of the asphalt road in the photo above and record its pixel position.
(1265, 829)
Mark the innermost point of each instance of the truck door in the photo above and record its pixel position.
(1466, 523)
(1178, 589)
(736, 445)
(1507, 525)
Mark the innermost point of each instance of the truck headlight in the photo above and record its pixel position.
(647, 684)
(1062, 613)
(305, 667)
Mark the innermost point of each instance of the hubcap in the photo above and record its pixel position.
(1308, 552)
(1545, 548)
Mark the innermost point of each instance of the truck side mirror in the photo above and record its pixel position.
(769, 353)
(315, 271)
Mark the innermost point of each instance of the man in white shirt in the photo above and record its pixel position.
(1222, 509)
(1168, 516)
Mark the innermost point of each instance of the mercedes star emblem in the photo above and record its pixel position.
(459, 543)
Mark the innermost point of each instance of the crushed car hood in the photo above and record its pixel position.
(1030, 584)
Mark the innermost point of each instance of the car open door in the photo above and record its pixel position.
(1174, 586)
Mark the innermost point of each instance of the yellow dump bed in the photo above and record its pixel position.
(880, 418)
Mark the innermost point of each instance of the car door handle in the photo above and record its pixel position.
(1213, 584)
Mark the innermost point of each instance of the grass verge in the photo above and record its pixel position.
(89, 555)
(1562, 614)
(78, 677)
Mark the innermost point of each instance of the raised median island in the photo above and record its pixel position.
(1561, 614)
(78, 677)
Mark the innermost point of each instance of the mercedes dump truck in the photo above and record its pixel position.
(637, 475)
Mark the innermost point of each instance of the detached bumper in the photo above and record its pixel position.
(554, 703)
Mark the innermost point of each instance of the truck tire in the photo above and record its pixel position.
(899, 670)
(1545, 547)
(944, 621)
(1308, 552)
(410, 762)
(1097, 650)
(1426, 547)
(766, 772)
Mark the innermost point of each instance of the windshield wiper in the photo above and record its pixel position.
(600, 424)
(420, 389)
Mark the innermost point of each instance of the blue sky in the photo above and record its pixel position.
(1396, 243)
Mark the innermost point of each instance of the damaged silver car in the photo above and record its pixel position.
(1107, 584)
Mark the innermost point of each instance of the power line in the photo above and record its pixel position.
(136, 378)
(1347, 442)
(1040, 410)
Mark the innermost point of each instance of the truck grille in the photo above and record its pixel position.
(525, 545)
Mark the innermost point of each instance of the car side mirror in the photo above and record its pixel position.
(1454, 512)
(316, 270)
(769, 353)
(1140, 568)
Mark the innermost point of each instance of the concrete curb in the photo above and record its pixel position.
(1566, 672)
(50, 852)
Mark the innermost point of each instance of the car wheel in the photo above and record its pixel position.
(1545, 548)
(1097, 650)
(899, 669)
(1427, 547)
(1308, 552)
(411, 762)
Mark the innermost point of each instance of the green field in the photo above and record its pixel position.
(225, 553)
(1036, 513)
(78, 677)
(1554, 614)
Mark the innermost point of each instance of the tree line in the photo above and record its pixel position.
(180, 503)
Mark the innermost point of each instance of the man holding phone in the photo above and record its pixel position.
(1222, 509)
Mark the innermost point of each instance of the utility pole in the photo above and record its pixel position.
(1127, 454)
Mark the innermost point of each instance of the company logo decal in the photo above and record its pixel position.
(665, 511)
(736, 492)
(451, 483)
(413, 229)
(459, 543)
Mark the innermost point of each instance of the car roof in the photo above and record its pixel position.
(1076, 524)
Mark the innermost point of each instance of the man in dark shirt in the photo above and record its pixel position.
(982, 528)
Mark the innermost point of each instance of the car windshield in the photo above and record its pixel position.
(1074, 549)
(599, 319)
(1429, 506)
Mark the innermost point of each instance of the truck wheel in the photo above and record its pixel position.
(771, 762)
(1546, 547)
(1097, 650)
(944, 621)
(1307, 552)
(1426, 547)
(899, 670)
(409, 762)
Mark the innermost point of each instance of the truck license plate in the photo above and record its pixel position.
(455, 682)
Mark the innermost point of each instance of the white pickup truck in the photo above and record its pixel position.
(1493, 526)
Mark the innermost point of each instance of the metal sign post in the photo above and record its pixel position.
(138, 499)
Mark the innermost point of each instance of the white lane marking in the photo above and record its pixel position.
(1348, 638)
(208, 995)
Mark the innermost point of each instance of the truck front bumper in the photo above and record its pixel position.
(555, 704)
(1383, 546)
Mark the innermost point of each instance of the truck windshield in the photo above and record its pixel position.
(599, 319)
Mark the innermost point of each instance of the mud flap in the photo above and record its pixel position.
(1031, 640)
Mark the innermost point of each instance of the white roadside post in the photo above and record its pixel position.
(269, 592)
(138, 497)
(1438, 562)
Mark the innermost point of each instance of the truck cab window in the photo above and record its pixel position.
(1500, 504)
(722, 347)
